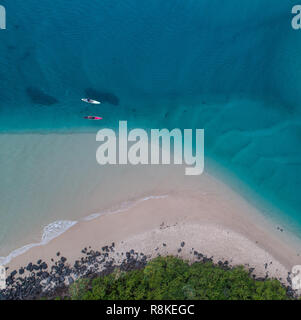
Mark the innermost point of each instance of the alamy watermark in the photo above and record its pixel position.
(296, 278)
(296, 21)
(136, 147)
(2, 17)
(2, 278)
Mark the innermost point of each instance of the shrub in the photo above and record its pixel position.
(174, 279)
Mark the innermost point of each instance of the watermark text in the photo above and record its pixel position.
(133, 147)
(296, 21)
(2, 17)
(2, 278)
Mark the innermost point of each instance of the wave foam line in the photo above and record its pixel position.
(123, 207)
(57, 228)
(50, 232)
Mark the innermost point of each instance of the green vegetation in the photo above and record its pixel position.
(173, 278)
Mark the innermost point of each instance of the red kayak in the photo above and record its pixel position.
(93, 118)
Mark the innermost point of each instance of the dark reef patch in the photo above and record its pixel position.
(26, 55)
(37, 96)
(102, 96)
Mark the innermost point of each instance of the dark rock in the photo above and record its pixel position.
(21, 270)
(260, 279)
(29, 267)
(13, 273)
(44, 266)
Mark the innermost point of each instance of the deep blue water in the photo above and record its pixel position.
(232, 67)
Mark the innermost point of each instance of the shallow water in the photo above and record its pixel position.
(232, 69)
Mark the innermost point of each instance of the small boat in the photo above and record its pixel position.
(87, 100)
(92, 118)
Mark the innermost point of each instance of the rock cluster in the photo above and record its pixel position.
(38, 280)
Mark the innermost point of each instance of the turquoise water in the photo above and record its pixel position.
(232, 68)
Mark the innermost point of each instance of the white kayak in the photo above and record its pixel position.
(87, 100)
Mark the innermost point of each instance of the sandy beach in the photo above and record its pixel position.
(211, 219)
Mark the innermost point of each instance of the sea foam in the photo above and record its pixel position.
(57, 228)
(50, 232)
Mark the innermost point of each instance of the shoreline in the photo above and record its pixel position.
(213, 220)
(101, 190)
(57, 228)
